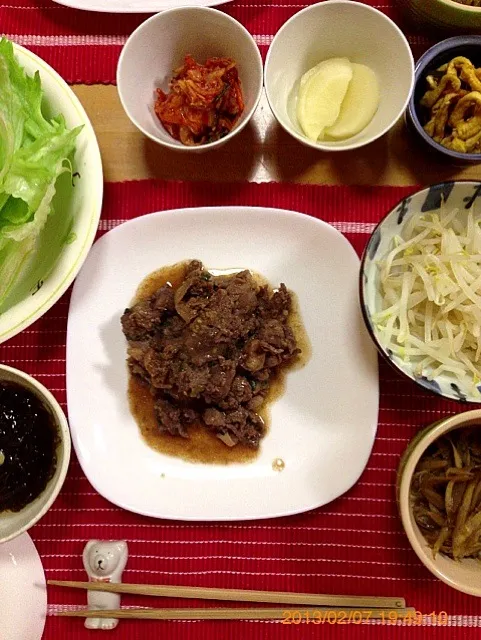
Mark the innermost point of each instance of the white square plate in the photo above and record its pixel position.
(324, 425)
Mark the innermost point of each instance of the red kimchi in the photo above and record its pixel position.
(204, 102)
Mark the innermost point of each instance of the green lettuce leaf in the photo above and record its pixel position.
(34, 152)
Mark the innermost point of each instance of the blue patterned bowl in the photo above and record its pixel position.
(456, 195)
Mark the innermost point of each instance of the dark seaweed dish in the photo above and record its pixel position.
(446, 494)
(28, 443)
(208, 347)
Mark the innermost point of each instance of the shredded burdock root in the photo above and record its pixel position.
(430, 284)
(204, 102)
(452, 104)
(446, 494)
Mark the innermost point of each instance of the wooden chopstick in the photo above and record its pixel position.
(238, 595)
(330, 615)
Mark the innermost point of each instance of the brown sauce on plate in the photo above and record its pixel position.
(28, 443)
(203, 446)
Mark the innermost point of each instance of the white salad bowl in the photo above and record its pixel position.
(159, 46)
(69, 232)
(339, 28)
(450, 195)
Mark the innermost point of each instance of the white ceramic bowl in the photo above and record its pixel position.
(464, 575)
(339, 28)
(159, 46)
(13, 524)
(69, 232)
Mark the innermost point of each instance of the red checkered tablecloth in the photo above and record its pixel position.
(354, 545)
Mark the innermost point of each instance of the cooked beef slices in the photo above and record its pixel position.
(208, 350)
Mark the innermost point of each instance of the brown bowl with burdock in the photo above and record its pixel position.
(439, 499)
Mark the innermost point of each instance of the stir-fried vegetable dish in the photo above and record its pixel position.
(453, 104)
(446, 494)
(204, 102)
(430, 282)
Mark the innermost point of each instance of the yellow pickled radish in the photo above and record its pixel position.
(321, 92)
(359, 105)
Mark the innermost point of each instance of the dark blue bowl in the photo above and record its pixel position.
(439, 54)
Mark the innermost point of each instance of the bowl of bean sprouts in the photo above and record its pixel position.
(420, 288)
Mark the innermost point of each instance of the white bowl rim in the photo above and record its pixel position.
(64, 433)
(433, 432)
(360, 143)
(95, 216)
(238, 127)
(459, 5)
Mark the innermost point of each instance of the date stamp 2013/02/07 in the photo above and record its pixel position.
(353, 616)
